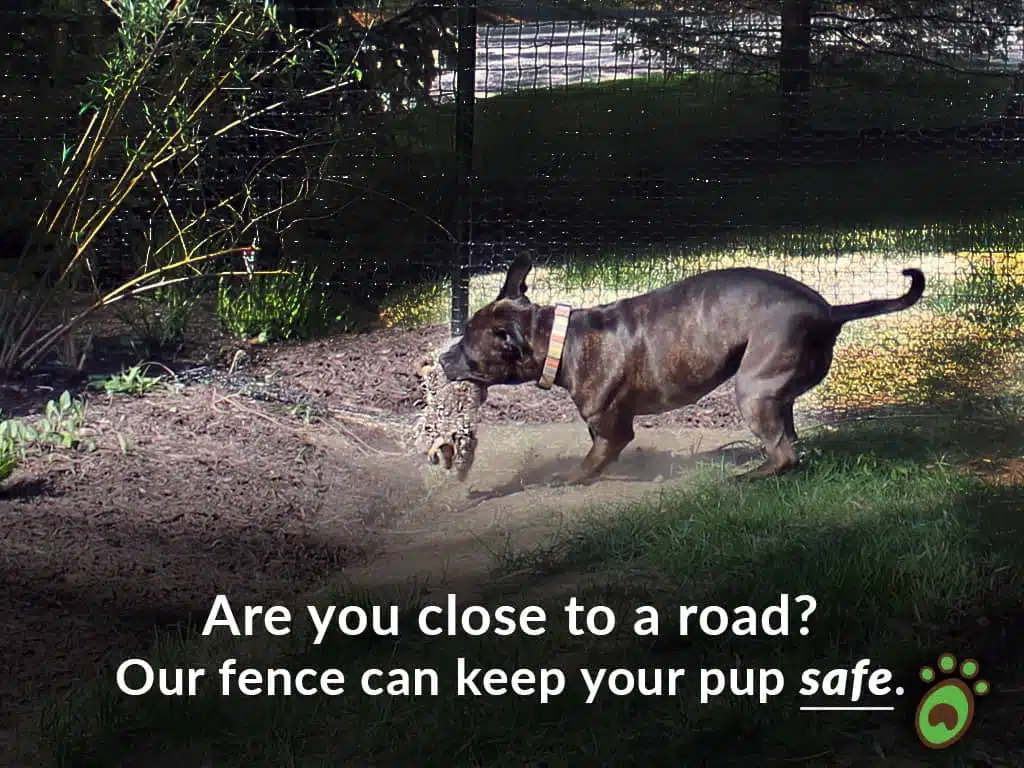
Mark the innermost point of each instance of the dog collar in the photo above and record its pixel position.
(555, 346)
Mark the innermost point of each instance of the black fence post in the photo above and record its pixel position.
(465, 106)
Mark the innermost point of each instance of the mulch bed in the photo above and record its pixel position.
(187, 494)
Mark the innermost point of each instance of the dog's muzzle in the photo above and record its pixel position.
(453, 362)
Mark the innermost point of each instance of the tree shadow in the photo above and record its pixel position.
(970, 432)
(24, 490)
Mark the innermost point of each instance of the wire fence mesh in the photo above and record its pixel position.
(625, 145)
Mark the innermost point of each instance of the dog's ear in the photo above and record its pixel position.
(515, 280)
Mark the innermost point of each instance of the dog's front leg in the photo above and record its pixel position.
(610, 432)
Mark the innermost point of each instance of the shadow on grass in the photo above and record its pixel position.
(964, 432)
(905, 557)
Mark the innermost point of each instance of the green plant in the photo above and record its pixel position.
(11, 448)
(9, 459)
(60, 423)
(278, 307)
(58, 427)
(133, 381)
(163, 315)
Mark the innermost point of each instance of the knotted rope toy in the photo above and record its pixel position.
(446, 430)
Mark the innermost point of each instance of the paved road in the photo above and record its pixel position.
(512, 57)
(546, 54)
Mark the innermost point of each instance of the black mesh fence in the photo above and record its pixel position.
(624, 145)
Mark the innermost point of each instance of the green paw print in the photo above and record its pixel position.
(947, 708)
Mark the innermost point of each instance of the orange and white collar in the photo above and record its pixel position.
(559, 327)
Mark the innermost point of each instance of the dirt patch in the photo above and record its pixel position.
(199, 492)
(1002, 471)
(509, 503)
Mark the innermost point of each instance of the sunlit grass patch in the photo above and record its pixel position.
(594, 280)
(922, 358)
(845, 265)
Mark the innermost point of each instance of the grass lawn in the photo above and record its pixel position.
(844, 265)
(907, 556)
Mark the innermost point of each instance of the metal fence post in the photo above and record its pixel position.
(465, 105)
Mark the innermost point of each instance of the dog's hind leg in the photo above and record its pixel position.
(610, 433)
(789, 422)
(767, 418)
(779, 365)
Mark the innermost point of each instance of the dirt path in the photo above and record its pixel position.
(506, 504)
(193, 493)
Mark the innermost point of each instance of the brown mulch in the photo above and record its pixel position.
(186, 495)
(1002, 471)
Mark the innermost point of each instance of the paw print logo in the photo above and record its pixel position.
(946, 710)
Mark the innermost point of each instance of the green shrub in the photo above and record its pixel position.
(278, 307)
(163, 316)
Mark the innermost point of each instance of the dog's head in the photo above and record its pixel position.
(496, 347)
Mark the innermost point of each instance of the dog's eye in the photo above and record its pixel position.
(501, 334)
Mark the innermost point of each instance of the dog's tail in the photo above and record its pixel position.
(844, 313)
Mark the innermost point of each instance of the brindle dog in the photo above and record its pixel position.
(668, 348)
